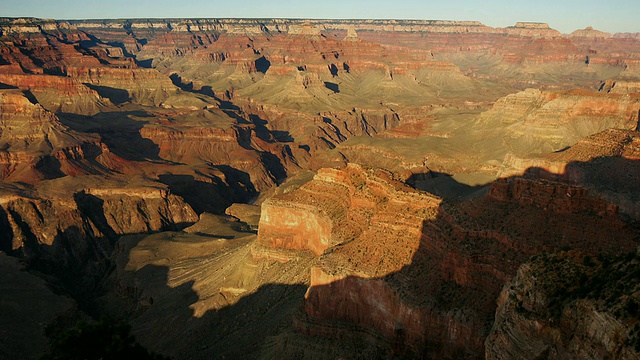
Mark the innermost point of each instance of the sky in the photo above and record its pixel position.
(562, 15)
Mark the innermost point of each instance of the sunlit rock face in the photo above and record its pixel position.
(387, 267)
(339, 206)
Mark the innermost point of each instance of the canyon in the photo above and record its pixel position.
(282, 188)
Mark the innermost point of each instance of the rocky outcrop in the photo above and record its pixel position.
(590, 32)
(620, 86)
(336, 208)
(552, 196)
(339, 298)
(602, 163)
(608, 143)
(145, 86)
(58, 93)
(567, 306)
(417, 274)
(258, 158)
(68, 71)
(543, 122)
(29, 122)
(339, 213)
(70, 227)
(36, 145)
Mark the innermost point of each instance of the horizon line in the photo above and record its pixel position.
(305, 18)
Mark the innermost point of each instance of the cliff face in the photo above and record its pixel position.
(435, 268)
(247, 150)
(74, 226)
(36, 145)
(68, 71)
(367, 225)
(568, 306)
(338, 207)
(539, 122)
(603, 163)
(31, 123)
(553, 196)
(57, 93)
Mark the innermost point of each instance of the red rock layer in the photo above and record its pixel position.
(605, 163)
(336, 208)
(419, 273)
(35, 145)
(264, 161)
(61, 66)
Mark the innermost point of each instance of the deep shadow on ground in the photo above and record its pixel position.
(176, 304)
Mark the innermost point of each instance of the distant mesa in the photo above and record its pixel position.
(531, 25)
(352, 35)
(590, 32)
(306, 28)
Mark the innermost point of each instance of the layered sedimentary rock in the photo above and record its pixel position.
(340, 212)
(312, 90)
(609, 143)
(435, 268)
(300, 76)
(68, 71)
(568, 305)
(134, 126)
(239, 146)
(534, 121)
(36, 145)
(604, 163)
(552, 196)
(67, 224)
(336, 208)
(57, 93)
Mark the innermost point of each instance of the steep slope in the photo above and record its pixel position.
(605, 163)
(35, 145)
(543, 122)
(435, 268)
(74, 222)
(568, 305)
(70, 71)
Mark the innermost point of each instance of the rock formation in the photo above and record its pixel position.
(117, 135)
(534, 121)
(376, 237)
(338, 207)
(604, 163)
(67, 225)
(36, 145)
(568, 305)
